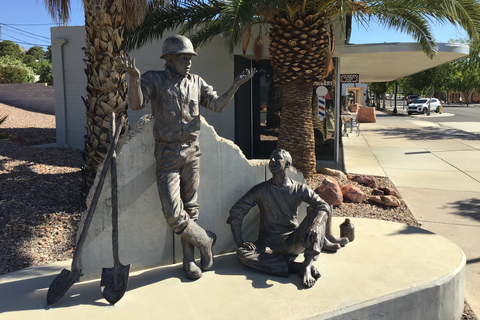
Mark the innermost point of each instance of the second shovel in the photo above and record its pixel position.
(114, 280)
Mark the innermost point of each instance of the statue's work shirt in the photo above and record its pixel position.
(278, 208)
(175, 104)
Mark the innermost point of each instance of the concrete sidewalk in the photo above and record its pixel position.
(436, 169)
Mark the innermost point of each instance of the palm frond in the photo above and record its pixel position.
(59, 10)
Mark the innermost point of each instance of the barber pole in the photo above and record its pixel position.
(322, 92)
(321, 108)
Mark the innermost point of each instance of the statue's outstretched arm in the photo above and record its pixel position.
(221, 102)
(135, 96)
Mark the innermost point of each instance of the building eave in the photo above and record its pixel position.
(383, 62)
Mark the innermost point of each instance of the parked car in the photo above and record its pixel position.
(421, 106)
(412, 98)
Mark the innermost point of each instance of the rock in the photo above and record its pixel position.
(353, 193)
(391, 192)
(332, 172)
(330, 191)
(366, 115)
(386, 201)
(378, 192)
(368, 181)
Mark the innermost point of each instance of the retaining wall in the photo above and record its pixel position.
(145, 239)
(32, 96)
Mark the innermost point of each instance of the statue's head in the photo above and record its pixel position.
(178, 52)
(280, 160)
(176, 45)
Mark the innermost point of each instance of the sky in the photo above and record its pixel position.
(28, 23)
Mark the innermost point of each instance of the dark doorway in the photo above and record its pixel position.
(257, 110)
(257, 114)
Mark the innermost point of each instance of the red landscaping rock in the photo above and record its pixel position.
(330, 191)
(331, 172)
(390, 191)
(386, 201)
(353, 193)
(369, 181)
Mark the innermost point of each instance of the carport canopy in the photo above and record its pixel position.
(390, 61)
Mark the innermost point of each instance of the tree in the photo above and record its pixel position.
(11, 49)
(380, 89)
(48, 54)
(36, 52)
(465, 73)
(301, 42)
(462, 75)
(105, 22)
(45, 72)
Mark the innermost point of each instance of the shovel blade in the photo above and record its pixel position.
(114, 282)
(60, 285)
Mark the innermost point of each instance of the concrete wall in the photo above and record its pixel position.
(145, 238)
(31, 96)
(69, 76)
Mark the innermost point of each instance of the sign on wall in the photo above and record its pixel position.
(349, 78)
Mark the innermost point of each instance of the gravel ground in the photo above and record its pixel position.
(40, 192)
(41, 197)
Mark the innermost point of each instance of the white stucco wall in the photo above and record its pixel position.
(213, 64)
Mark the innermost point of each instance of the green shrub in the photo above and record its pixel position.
(45, 72)
(14, 71)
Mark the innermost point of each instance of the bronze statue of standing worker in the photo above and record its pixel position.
(176, 97)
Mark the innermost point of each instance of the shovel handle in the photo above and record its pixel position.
(93, 204)
(113, 168)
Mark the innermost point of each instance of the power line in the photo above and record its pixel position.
(32, 24)
(28, 43)
(36, 35)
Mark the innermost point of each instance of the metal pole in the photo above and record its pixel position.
(396, 90)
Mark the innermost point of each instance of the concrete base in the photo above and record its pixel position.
(390, 271)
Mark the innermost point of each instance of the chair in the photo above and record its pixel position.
(350, 122)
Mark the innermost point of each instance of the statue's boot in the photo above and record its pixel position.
(203, 240)
(192, 271)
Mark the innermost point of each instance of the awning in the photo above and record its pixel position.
(390, 61)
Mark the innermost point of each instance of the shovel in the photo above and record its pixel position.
(114, 280)
(62, 283)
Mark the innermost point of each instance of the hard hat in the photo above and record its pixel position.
(177, 45)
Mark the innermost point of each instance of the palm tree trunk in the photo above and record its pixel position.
(106, 88)
(296, 126)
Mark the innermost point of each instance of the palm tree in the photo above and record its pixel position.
(105, 23)
(301, 42)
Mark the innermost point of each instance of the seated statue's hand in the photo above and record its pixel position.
(248, 245)
(312, 235)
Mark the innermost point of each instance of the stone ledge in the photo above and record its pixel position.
(390, 271)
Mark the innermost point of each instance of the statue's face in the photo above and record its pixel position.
(180, 63)
(277, 163)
